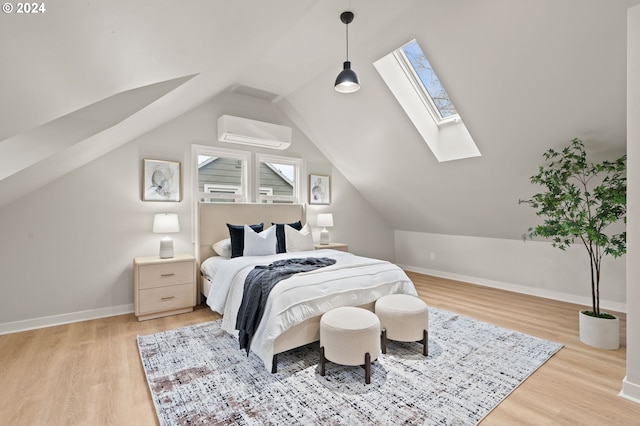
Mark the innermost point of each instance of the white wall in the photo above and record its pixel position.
(67, 249)
(356, 222)
(631, 383)
(533, 267)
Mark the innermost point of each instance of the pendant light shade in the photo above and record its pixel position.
(347, 81)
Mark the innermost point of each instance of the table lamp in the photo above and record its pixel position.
(165, 223)
(325, 220)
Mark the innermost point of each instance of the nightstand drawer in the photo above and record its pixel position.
(167, 274)
(166, 298)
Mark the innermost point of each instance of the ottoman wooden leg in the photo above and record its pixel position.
(274, 364)
(367, 368)
(383, 341)
(425, 343)
(322, 360)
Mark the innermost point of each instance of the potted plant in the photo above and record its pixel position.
(579, 202)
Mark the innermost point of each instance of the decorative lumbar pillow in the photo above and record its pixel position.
(223, 248)
(236, 232)
(259, 244)
(282, 242)
(298, 240)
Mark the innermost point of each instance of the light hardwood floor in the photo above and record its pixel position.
(89, 373)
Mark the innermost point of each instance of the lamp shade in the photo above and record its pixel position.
(164, 223)
(347, 81)
(325, 220)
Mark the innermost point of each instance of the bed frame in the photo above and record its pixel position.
(213, 219)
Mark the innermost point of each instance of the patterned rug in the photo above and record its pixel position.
(198, 376)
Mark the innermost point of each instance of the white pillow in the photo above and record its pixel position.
(262, 244)
(223, 247)
(301, 240)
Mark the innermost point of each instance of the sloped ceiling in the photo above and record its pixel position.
(525, 76)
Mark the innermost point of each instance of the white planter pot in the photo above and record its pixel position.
(601, 333)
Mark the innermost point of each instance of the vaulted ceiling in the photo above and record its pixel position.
(88, 76)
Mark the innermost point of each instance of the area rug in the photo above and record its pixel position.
(198, 376)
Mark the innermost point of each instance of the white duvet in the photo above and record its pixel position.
(351, 281)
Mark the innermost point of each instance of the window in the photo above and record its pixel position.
(218, 190)
(224, 175)
(428, 83)
(413, 82)
(281, 177)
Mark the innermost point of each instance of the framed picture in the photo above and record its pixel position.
(319, 189)
(161, 180)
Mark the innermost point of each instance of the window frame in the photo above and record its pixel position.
(453, 142)
(298, 166)
(250, 190)
(242, 193)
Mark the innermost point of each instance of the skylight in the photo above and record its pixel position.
(430, 81)
(413, 82)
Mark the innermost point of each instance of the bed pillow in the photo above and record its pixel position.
(223, 248)
(282, 242)
(298, 240)
(236, 233)
(259, 244)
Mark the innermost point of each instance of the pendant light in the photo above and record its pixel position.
(347, 81)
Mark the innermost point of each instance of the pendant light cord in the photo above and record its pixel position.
(347, 25)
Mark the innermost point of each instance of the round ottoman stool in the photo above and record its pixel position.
(404, 318)
(349, 336)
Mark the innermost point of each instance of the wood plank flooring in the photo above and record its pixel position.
(89, 373)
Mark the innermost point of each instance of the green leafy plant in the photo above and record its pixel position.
(580, 201)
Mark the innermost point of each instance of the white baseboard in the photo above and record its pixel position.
(630, 391)
(42, 322)
(532, 291)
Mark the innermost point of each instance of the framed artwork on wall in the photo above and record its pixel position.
(161, 180)
(319, 189)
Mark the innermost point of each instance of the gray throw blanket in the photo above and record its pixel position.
(258, 285)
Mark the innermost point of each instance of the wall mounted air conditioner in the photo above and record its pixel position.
(252, 132)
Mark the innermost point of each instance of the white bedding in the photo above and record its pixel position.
(352, 281)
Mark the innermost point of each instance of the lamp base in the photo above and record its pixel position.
(324, 236)
(166, 248)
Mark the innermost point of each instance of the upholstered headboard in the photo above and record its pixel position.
(213, 219)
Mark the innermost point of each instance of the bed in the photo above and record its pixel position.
(293, 310)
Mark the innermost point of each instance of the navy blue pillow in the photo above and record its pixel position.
(282, 243)
(236, 233)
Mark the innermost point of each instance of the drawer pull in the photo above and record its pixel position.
(167, 275)
(168, 298)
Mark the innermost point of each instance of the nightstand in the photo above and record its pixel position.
(164, 286)
(334, 246)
